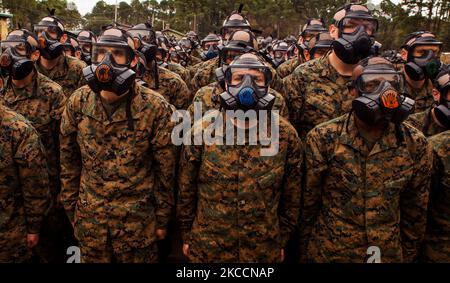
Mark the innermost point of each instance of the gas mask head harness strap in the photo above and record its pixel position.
(50, 30)
(236, 21)
(241, 42)
(146, 43)
(356, 28)
(322, 41)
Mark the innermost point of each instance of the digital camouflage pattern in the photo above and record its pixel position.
(193, 60)
(424, 122)
(288, 67)
(437, 240)
(171, 87)
(235, 205)
(206, 74)
(24, 192)
(355, 197)
(423, 96)
(43, 109)
(316, 93)
(68, 73)
(117, 182)
(209, 97)
(181, 71)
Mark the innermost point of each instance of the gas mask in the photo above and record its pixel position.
(380, 101)
(15, 65)
(108, 75)
(420, 68)
(86, 57)
(442, 113)
(50, 48)
(210, 54)
(352, 47)
(149, 51)
(248, 93)
(442, 110)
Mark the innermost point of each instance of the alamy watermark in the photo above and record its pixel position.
(233, 127)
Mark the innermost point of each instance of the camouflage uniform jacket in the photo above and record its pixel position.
(181, 71)
(437, 238)
(115, 179)
(235, 205)
(171, 86)
(43, 108)
(68, 73)
(316, 93)
(423, 96)
(209, 97)
(24, 192)
(355, 198)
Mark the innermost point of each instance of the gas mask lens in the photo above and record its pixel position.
(147, 36)
(20, 48)
(120, 55)
(238, 76)
(86, 47)
(370, 83)
(350, 25)
(52, 32)
(230, 55)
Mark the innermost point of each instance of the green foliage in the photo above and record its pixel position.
(278, 18)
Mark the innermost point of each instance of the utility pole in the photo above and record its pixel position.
(115, 13)
(195, 23)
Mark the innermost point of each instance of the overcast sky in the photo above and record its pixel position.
(85, 6)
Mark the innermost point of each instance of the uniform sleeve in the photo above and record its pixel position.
(316, 166)
(164, 154)
(70, 159)
(290, 198)
(30, 158)
(413, 205)
(81, 81)
(58, 104)
(182, 97)
(293, 88)
(190, 161)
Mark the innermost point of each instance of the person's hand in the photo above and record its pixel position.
(186, 249)
(161, 234)
(282, 255)
(32, 240)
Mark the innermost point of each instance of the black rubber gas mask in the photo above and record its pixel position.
(442, 110)
(249, 92)
(425, 66)
(106, 74)
(13, 64)
(354, 46)
(50, 48)
(380, 99)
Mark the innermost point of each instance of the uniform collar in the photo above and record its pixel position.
(94, 107)
(13, 94)
(58, 71)
(352, 138)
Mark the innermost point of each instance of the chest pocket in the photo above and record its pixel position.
(270, 185)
